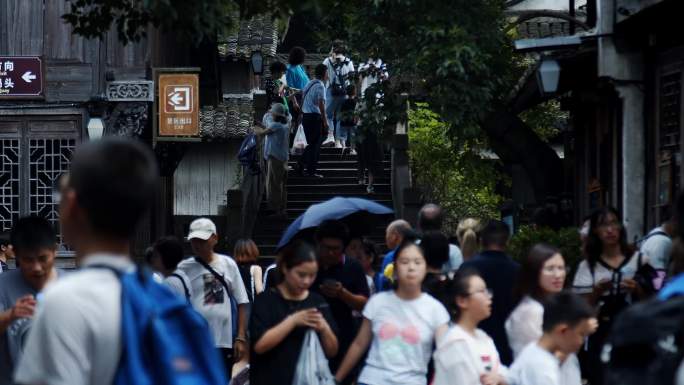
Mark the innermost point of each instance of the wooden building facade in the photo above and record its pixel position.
(102, 78)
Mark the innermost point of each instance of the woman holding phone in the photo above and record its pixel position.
(282, 315)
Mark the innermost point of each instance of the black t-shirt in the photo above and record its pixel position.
(277, 366)
(247, 279)
(353, 278)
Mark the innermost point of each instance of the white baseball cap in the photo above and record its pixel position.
(202, 228)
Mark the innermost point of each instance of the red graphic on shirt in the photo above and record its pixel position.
(410, 334)
(487, 362)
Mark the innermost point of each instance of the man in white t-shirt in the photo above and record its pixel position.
(208, 293)
(76, 338)
(568, 320)
(657, 245)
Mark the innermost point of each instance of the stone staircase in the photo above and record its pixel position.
(340, 179)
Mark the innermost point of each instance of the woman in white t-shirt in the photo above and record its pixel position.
(466, 355)
(606, 279)
(542, 274)
(400, 325)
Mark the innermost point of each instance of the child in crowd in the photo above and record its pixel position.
(543, 274)
(402, 325)
(467, 355)
(568, 320)
(348, 120)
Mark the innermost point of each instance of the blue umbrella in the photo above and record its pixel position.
(335, 208)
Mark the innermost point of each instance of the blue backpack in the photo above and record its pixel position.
(249, 154)
(165, 341)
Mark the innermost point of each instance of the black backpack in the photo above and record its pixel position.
(249, 154)
(338, 85)
(646, 344)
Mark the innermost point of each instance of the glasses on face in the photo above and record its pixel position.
(486, 292)
(550, 270)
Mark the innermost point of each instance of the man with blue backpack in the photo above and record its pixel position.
(216, 291)
(111, 323)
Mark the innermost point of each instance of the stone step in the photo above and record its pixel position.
(340, 164)
(316, 197)
(294, 179)
(305, 204)
(381, 188)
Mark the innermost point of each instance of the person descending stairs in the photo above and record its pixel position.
(340, 178)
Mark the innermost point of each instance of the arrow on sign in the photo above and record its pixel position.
(176, 98)
(28, 76)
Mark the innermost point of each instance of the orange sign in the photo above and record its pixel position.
(178, 105)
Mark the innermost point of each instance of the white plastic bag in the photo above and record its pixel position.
(312, 366)
(299, 143)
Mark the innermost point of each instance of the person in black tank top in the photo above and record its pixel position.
(246, 253)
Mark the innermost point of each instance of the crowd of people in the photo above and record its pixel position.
(326, 111)
(429, 311)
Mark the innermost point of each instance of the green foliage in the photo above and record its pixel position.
(454, 52)
(459, 180)
(546, 119)
(194, 20)
(566, 239)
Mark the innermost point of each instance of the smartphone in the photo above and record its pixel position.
(330, 282)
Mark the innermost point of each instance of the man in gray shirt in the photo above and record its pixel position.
(35, 246)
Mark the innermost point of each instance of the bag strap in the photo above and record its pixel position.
(641, 241)
(308, 88)
(215, 274)
(185, 287)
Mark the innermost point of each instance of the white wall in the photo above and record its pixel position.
(204, 175)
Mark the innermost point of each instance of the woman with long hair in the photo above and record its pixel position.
(542, 274)
(282, 315)
(466, 232)
(606, 279)
(466, 355)
(400, 325)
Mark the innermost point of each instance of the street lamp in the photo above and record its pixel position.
(95, 128)
(548, 76)
(257, 63)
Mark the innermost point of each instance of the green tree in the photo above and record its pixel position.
(461, 181)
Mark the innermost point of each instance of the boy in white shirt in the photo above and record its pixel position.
(568, 320)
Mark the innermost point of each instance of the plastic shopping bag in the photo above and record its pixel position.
(299, 143)
(240, 374)
(312, 366)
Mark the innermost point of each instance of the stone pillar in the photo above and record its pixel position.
(623, 67)
(633, 160)
(401, 174)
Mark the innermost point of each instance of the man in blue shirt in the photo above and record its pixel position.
(394, 236)
(314, 122)
(500, 273)
(36, 246)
